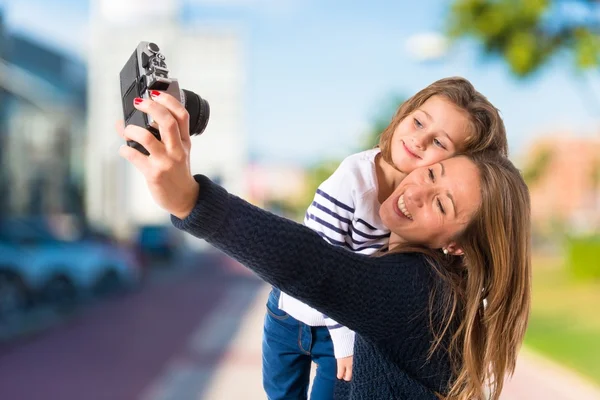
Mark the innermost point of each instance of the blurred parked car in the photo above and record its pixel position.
(41, 261)
(159, 243)
(15, 296)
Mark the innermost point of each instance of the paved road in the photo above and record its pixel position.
(194, 334)
(116, 349)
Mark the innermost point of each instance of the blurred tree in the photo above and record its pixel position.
(595, 178)
(537, 165)
(315, 174)
(595, 175)
(527, 33)
(322, 170)
(381, 120)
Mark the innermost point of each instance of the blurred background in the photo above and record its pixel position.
(100, 298)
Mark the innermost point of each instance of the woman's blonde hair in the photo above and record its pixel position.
(483, 338)
(487, 128)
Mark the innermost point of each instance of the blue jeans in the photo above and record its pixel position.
(289, 346)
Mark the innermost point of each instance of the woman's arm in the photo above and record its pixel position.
(376, 296)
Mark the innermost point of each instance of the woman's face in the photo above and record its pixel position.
(433, 204)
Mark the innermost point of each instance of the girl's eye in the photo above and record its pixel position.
(418, 123)
(431, 175)
(440, 206)
(439, 144)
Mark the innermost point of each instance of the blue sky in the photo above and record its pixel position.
(318, 72)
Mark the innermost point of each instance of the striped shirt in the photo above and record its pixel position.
(344, 212)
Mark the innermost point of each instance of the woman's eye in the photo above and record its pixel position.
(431, 175)
(441, 207)
(418, 123)
(439, 144)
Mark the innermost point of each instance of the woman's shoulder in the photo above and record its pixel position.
(422, 264)
(392, 255)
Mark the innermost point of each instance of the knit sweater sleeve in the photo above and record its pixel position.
(374, 296)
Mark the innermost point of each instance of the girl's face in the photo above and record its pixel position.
(433, 204)
(434, 132)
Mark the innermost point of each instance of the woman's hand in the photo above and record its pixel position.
(167, 168)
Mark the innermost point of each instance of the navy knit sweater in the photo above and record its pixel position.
(385, 300)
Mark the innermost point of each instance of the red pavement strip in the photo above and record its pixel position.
(113, 350)
(212, 347)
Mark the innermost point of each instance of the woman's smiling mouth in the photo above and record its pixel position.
(401, 209)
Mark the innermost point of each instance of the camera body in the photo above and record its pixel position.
(147, 70)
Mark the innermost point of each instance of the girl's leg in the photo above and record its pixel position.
(286, 353)
(322, 355)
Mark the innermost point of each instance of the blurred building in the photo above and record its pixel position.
(276, 184)
(3, 117)
(208, 61)
(42, 105)
(563, 174)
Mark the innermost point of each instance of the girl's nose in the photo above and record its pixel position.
(419, 141)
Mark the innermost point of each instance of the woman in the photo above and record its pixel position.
(418, 311)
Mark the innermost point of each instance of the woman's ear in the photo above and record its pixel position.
(454, 249)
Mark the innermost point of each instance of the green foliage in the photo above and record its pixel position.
(315, 176)
(583, 255)
(537, 166)
(573, 344)
(565, 322)
(322, 170)
(596, 175)
(285, 208)
(527, 33)
(381, 120)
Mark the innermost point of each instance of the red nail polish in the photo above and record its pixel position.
(137, 101)
(154, 93)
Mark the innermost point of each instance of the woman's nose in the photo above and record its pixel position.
(420, 195)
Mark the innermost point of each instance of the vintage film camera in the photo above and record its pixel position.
(146, 70)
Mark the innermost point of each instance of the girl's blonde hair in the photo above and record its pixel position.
(483, 339)
(487, 128)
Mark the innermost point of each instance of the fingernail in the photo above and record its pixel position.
(154, 93)
(137, 101)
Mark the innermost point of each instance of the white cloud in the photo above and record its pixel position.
(428, 46)
(267, 7)
(125, 11)
(238, 3)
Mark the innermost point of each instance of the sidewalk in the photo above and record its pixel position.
(239, 375)
(222, 358)
(538, 378)
(236, 373)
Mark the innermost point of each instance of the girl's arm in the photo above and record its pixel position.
(377, 297)
(332, 214)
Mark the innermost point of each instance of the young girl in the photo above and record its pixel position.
(447, 117)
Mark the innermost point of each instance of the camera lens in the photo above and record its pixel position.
(153, 47)
(199, 111)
